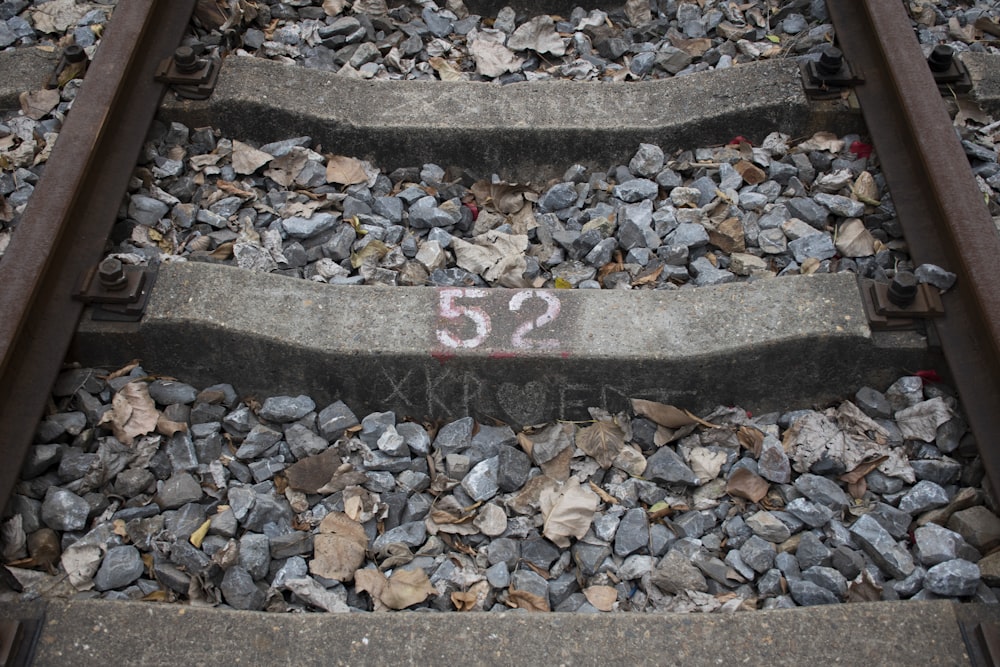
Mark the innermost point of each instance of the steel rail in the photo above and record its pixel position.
(939, 205)
(68, 219)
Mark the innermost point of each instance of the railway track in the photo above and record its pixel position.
(936, 198)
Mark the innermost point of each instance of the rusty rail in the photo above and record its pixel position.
(939, 205)
(68, 219)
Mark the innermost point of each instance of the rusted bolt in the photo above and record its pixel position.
(830, 60)
(940, 58)
(903, 289)
(112, 274)
(74, 53)
(186, 59)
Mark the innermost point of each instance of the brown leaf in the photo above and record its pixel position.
(558, 467)
(123, 371)
(649, 278)
(666, 415)
(223, 252)
(751, 173)
(602, 597)
(233, 189)
(448, 510)
(36, 104)
(168, 428)
(525, 600)
(857, 489)
(506, 198)
(312, 473)
(447, 71)
(602, 441)
(866, 590)
(863, 469)
(463, 600)
(372, 582)
(345, 170)
(406, 588)
(747, 484)
(133, 413)
(751, 438)
(158, 596)
(568, 511)
(339, 548)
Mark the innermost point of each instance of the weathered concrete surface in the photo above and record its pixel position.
(101, 633)
(984, 70)
(21, 70)
(522, 356)
(520, 131)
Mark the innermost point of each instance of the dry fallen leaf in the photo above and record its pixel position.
(403, 589)
(864, 589)
(602, 597)
(345, 170)
(339, 548)
(527, 601)
(744, 483)
(447, 71)
(506, 198)
(604, 495)
(751, 438)
(36, 104)
(603, 441)
(666, 415)
(133, 413)
(863, 469)
(168, 427)
(247, 159)
(568, 511)
(199, 535)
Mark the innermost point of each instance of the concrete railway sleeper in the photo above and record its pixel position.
(561, 346)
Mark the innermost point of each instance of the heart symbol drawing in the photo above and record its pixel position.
(525, 404)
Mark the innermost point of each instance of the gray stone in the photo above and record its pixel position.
(455, 436)
(171, 576)
(146, 210)
(189, 558)
(283, 409)
(675, 574)
(647, 161)
(636, 566)
(925, 495)
(64, 510)
(954, 578)
(912, 584)
(935, 275)
(39, 459)
(705, 273)
(828, 578)
(255, 554)
(412, 534)
(539, 552)
(840, 205)
(181, 452)
(818, 246)
(392, 443)
(773, 463)
(770, 584)
(822, 491)
(636, 189)
(768, 526)
(558, 197)
(689, 235)
(258, 440)
(712, 567)
(239, 590)
(590, 558)
(666, 467)
(633, 532)
(498, 575)
(811, 514)
(374, 425)
(772, 241)
(513, 468)
(426, 214)
(977, 525)
(758, 553)
(808, 210)
(503, 550)
(334, 419)
(811, 551)
(177, 491)
(481, 482)
(120, 567)
(807, 593)
(268, 514)
(169, 392)
(940, 471)
(935, 544)
(895, 521)
(416, 437)
(526, 580)
(302, 228)
(873, 403)
(847, 561)
(291, 544)
(303, 442)
(882, 548)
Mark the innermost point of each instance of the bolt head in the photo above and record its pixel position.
(903, 289)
